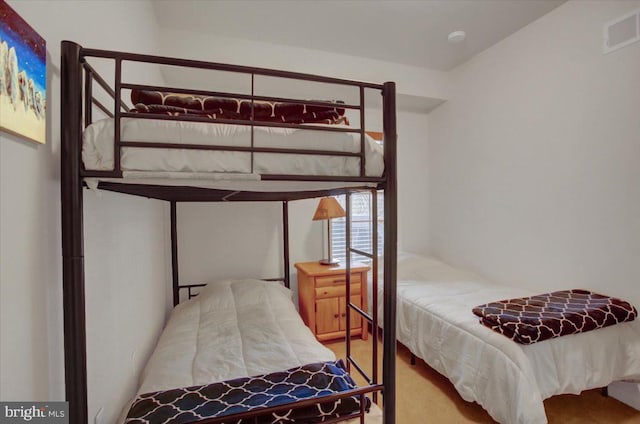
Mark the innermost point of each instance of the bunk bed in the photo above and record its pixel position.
(131, 151)
(509, 380)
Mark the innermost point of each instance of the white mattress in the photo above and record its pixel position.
(232, 329)
(509, 380)
(218, 166)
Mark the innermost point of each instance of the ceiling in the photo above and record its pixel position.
(406, 32)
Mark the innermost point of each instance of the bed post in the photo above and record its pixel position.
(75, 338)
(390, 252)
(285, 235)
(174, 254)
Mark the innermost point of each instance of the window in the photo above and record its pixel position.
(361, 227)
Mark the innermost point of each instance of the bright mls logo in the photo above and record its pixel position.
(37, 412)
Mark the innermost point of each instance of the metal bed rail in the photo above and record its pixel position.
(191, 287)
(253, 416)
(121, 110)
(371, 319)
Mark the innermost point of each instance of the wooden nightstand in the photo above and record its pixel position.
(322, 298)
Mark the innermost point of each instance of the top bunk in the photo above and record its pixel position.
(224, 132)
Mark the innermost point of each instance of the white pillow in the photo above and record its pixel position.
(415, 267)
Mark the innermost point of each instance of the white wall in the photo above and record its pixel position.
(410, 80)
(31, 347)
(244, 239)
(127, 260)
(533, 162)
(412, 186)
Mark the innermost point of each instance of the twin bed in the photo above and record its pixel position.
(234, 330)
(239, 351)
(508, 379)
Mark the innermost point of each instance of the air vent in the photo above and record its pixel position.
(622, 31)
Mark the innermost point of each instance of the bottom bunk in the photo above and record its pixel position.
(435, 321)
(240, 347)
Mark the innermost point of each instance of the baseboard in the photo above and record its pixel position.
(626, 392)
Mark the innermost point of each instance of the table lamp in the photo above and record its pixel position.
(328, 208)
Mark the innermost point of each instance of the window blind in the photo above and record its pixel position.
(361, 226)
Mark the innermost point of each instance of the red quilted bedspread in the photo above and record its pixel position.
(533, 319)
(174, 104)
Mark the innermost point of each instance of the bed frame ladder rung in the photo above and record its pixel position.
(362, 372)
(361, 312)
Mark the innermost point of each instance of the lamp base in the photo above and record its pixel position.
(330, 261)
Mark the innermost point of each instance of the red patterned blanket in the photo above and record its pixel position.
(175, 104)
(533, 319)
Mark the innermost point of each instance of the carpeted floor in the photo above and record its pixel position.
(424, 396)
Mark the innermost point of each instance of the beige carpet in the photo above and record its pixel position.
(424, 396)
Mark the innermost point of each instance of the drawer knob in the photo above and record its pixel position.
(336, 316)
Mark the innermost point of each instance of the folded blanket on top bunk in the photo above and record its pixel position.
(533, 319)
(175, 104)
(191, 404)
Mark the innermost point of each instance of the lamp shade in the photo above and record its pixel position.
(328, 208)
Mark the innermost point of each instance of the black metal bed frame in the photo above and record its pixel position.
(77, 101)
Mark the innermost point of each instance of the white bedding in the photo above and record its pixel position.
(509, 380)
(232, 329)
(199, 165)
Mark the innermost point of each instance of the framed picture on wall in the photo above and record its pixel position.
(23, 77)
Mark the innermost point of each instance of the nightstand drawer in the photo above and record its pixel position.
(337, 280)
(338, 291)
